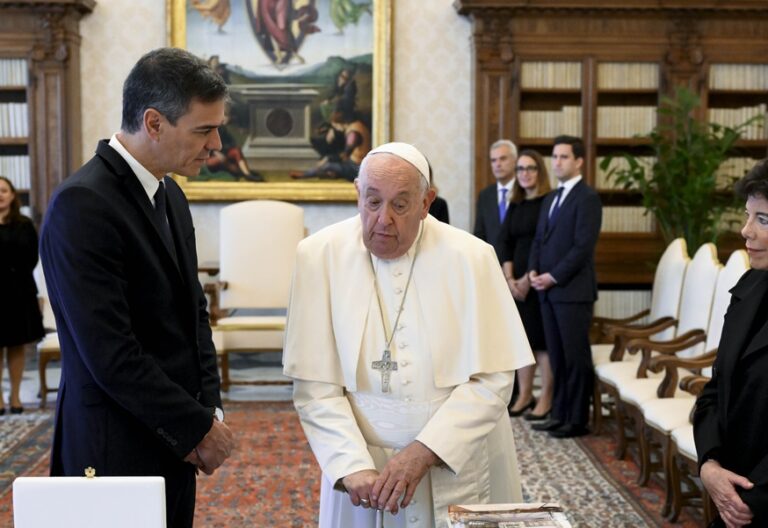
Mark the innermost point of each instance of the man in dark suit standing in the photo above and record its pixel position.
(562, 270)
(139, 391)
(493, 201)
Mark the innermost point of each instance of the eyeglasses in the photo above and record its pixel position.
(527, 168)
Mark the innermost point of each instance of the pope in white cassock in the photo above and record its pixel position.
(402, 340)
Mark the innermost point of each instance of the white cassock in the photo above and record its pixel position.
(457, 343)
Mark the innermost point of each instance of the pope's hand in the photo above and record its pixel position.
(359, 486)
(401, 475)
(213, 449)
(721, 485)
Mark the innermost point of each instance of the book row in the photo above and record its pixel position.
(625, 121)
(550, 123)
(738, 77)
(732, 117)
(565, 75)
(13, 72)
(628, 75)
(16, 169)
(14, 121)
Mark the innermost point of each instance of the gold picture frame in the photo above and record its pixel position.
(310, 191)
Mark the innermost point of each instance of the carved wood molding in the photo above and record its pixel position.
(523, 7)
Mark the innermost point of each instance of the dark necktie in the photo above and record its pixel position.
(503, 204)
(161, 219)
(556, 209)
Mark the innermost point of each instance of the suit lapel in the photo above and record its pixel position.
(139, 198)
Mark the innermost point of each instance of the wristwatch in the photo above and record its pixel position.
(218, 414)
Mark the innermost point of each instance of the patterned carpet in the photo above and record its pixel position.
(272, 479)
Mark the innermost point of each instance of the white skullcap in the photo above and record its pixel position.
(407, 152)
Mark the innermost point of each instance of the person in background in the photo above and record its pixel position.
(562, 271)
(493, 201)
(728, 421)
(517, 232)
(21, 322)
(439, 207)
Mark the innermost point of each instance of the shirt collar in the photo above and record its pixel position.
(507, 186)
(567, 186)
(147, 180)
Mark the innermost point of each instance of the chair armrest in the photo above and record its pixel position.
(670, 364)
(213, 290)
(671, 347)
(600, 325)
(647, 330)
(694, 384)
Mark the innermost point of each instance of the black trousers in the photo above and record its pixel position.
(566, 330)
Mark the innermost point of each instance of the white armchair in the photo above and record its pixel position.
(258, 242)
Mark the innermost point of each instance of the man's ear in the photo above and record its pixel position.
(153, 121)
(429, 197)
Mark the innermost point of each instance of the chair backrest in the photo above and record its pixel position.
(698, 294)
(257, 252)
(49, 321)
(737, 265)
(668, 284)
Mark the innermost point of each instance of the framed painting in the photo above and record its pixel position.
(310, 89)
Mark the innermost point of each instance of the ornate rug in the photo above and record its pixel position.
(272, 479)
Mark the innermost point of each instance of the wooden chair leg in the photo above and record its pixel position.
(224, 361)
(643, 445)
(597, 408)
(666, 454)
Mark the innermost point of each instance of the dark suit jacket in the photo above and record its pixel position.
(439, 209)
(487, 223)
(729, 420)
(565, 248)
(139, 378)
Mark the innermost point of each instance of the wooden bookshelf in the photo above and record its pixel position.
(629, 54)
(40, 73)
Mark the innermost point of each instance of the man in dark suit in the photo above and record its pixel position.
(562, 270)
(493, 201)
(139, 391)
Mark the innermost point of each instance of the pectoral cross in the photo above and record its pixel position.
(385, 365)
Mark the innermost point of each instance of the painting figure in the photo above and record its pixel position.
(345, 12)
(218, 11)
(274, 22)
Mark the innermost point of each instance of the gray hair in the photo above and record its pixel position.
(505, 143)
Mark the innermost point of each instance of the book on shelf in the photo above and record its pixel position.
(602, 181)
(521, 515)
(13, 72)
(732, 169)
(550, 75)
(14, 121)
(738, 77)
(625, 121)
(16, 169)
(627, 220)
(628, 75)
(732, 117)
(550, 123)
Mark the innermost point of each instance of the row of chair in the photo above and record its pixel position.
(639, 366)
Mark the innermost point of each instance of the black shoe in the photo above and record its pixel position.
(549, 425)
(2, 411)
(531, 405)
(537, 417)
(569, 431)
(17, 410)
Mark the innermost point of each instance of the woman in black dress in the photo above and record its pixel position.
(531, 184)
(20, 320)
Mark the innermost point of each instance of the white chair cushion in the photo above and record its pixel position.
(49, 343)
(618, 373)
(252, 339)
(666, 414)
(683, 438)
(601, 354)
(639, 391)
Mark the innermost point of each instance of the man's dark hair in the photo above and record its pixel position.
(577, 145)
(168, 79)
(755, 182)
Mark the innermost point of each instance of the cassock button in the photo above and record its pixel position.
(397, 272)
(406, 382)
(413, 519)
(408, 399)
(398, 291)
(404, 363)
(402, 345)
(400, 326)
